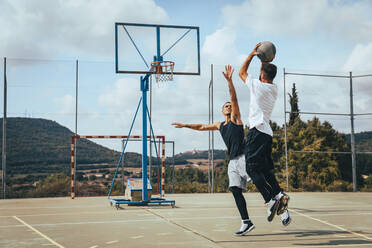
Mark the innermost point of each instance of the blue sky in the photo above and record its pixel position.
(42, 39)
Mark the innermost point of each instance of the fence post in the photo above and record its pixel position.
(76, 117)
(352, 138)
(4, 134)
(285, 132)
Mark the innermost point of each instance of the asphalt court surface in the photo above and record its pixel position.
(198, 220)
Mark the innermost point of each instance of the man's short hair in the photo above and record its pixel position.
(225, 104)
(269, 70)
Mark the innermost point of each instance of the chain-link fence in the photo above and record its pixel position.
(88, 98)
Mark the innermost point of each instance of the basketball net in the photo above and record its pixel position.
(163, 71)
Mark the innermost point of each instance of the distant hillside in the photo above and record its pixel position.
(363, 141)
(197, 154)
(33, 143)
(43, 146)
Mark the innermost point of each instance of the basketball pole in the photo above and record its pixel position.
(144, 89)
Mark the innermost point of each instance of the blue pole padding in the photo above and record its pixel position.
(156, 150)
(144, 89)
(125, 146)
(158, 44)
(116, 49)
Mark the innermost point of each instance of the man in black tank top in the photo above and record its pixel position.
(232, 133)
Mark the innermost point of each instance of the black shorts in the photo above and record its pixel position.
(258, 151)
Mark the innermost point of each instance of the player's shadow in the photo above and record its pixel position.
(337, 242)
(306, 210)
(309, 235)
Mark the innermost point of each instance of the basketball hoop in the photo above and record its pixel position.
(163, 70)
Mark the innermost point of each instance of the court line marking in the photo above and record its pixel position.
(57, 207)
(333, 225)
(137, 237)
(164, 234)
(57, 214)
(72, 214)
(112, 242)
(184, 227)
(332, 246)
(41, 234)
(170, 218)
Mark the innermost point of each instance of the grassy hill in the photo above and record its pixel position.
(42, 146)
(197, 154)
(363, 143)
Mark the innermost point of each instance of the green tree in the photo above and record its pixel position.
(293, 101)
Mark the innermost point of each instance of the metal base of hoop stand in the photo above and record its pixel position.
(154, 201)
(145, 115)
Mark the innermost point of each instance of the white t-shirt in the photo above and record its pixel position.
(263, 97)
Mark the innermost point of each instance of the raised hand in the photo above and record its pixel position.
(254, 52)
(228, 72)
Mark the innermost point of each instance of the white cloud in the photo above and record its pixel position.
(359, 62)
(360, 59)
(70, 28)
(220, 47)
(121, 94)
(66, 104)
(347, 20)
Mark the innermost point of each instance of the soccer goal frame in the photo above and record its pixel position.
(160, 138)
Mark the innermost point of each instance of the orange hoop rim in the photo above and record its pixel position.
(162, 63)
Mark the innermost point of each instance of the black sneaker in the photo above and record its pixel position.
(283, 204)
(246, 227)
(272, 208)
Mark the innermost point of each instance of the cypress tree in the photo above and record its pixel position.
(293, 101)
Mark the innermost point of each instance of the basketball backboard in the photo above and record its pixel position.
(138, 45)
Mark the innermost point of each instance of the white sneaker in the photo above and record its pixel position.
(246, 227)
(286, 218)
(283, 199)
(278, 196)
(272, 207)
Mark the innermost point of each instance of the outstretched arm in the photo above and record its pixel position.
(243, 73)
(198, 127)
(235, 112)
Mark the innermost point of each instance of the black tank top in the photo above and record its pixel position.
(233, 136)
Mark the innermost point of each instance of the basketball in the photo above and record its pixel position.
(266, 51)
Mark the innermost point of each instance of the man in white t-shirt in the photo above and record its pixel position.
(259, 164)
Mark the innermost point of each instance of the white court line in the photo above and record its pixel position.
(333, 225)
(325, 246)
(41, 234)
(164, 234)
(56, 214)
(58, 207)
(179, 211)
(170, 218)
(112, 242)
(95, 246)
(137, 237)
